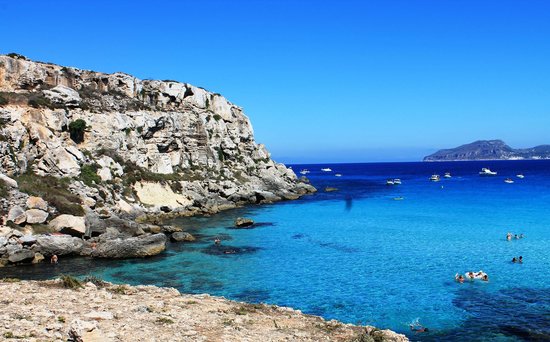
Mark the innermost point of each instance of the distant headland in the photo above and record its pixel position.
(489, 150)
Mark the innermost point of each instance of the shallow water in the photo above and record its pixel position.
(360, 256)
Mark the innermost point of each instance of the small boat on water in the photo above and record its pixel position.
(400, 198)
(487, 172)
(435, 178)
(338, 175)
(520, 175)
(326, 169)
(304, 171)
(447, 175)
(508, 180)
(390, 182)
(397, 181)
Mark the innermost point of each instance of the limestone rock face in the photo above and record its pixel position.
(146, 143)
(135, 247)
(69, 224)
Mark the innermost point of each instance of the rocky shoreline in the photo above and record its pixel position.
(65, 309)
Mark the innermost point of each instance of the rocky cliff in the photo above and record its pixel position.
(79, 150)
(489, 150)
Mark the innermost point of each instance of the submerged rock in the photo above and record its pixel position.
(243, 222)
(182, 236)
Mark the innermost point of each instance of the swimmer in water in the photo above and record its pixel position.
(418, 328)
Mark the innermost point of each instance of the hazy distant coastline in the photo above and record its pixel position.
(489, 150)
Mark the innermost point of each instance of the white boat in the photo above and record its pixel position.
(304, 171)
(338, 175)
(326, 169)
(397, 181)
(487, 172)
(447, 175)
(435, 178)
(390, 182)
(521, 176)
(508, 180)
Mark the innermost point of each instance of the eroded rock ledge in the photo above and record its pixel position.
(35, 311)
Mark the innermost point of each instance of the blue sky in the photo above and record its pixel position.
(322, 81)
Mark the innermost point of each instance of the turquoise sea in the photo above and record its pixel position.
(360, 256)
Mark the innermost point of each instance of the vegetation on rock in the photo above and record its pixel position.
(77, 129)
(53, 190)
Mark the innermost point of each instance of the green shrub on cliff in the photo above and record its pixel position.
(88, 174)
(3, 100)
(3, 189)
(76, 130)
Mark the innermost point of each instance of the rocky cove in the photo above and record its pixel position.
(93, 165)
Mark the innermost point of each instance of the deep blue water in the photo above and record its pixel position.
(359, 256)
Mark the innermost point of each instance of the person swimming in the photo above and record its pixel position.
(520, 260)
(418, 328)
(459, 278)
(514, 260)
(509, 236)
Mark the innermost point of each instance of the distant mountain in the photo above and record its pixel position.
(489, 150)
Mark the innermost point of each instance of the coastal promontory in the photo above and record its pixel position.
(102, 156)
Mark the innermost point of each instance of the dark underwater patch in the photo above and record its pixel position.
(518, 313)
(253, 296)
(226, 250)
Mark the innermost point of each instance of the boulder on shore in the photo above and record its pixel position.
(243, 222)
(34, 202)
(135, 247)
(69, 224)
(17, 215)
(21, 255)
(182, 236)
(58, 244)
(36, 216)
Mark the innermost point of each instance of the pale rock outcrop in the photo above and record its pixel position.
(17, 215)
(63, 95)
(69, 224)
(158, 194)
(36, 216)
(34, 202)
